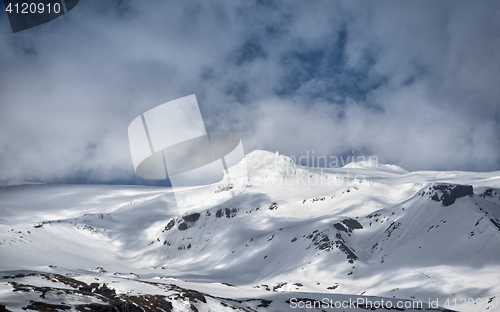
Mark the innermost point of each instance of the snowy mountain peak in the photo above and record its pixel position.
(259, 158)
(373, 164)
(264, 164)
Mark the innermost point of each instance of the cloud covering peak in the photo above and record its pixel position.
(415, 84)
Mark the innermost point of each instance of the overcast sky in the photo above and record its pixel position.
(415, 83)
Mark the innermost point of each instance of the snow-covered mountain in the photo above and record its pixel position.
(295, 238)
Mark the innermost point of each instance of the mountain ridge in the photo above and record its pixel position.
(359, 230)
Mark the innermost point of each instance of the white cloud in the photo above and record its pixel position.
(69, 89)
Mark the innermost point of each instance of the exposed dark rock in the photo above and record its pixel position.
(194, 295)
(320, 240)
(347, 225)
(103, 290)
(102, 308)
(170, 225)
(264, 303)
(192, 217)
(448, 193)
(182, 227)
(340, 244)
(488, 193)
(231, 213)
(41, 306)
(340, 227)
(273, 206)
(352, 224)
(393, 226)
(372, 215)
(143, 303)
(218, 214)
(278, 286)
(319, 198)
(496, 223)
(109, 300)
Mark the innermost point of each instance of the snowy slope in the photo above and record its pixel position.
(294, 232)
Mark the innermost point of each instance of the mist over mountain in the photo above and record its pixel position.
(415, 83)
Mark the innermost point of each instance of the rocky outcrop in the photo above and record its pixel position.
(447, 193)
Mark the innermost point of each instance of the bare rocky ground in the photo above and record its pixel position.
(70, 294)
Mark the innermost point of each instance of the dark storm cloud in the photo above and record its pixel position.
(414, 83)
